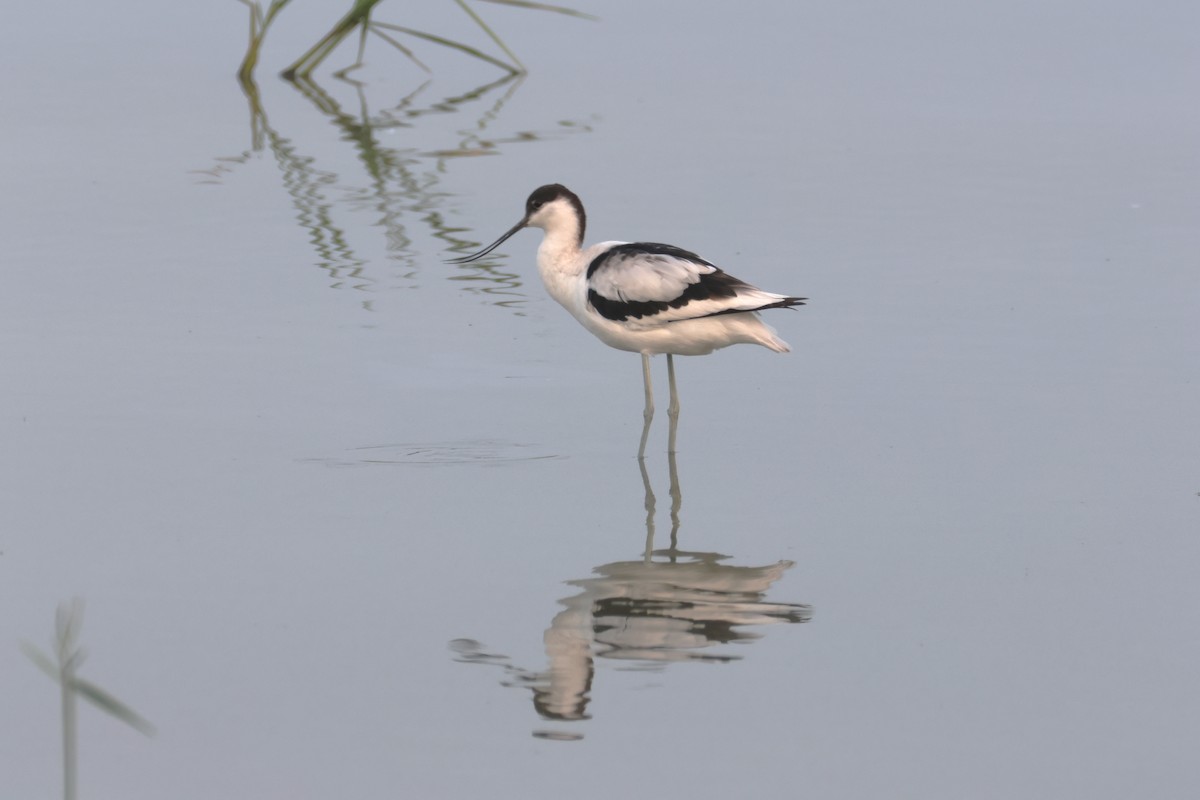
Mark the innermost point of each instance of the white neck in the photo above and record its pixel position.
(560, 267)
(559, 261)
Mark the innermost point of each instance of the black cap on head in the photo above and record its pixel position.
(551, 192)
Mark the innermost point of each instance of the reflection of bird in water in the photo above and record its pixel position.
(642, 297)
(670, 605)
(654, 612)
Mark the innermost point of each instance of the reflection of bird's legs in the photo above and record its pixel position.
(676, 498)
(648, 411)
(673, 406)
(649, 506)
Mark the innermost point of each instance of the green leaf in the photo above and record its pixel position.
(68, 619)
(409, 53)
(106, 702)
(491, 34)
(570, 12)
(41, 660)
(450, 43)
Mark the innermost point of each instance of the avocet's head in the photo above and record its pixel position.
(552, 208)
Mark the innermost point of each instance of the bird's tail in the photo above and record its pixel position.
(784, 302)
(765, 335)
(769, 338)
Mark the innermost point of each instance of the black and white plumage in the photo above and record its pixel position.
(660, 283)
(644, 297)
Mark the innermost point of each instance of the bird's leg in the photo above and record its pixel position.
(673, 406)
(648, 411)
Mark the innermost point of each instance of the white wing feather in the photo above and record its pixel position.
(643, 277)
(639, 274)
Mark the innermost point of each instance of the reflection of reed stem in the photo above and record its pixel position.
(303, 183)
(401, 184)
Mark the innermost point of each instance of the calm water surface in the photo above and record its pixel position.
(350, 521)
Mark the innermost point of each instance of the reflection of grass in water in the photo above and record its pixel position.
(307, 187)
(359, 17)
(63, 668)
(401, 183)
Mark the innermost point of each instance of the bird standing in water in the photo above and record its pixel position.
(642, 297)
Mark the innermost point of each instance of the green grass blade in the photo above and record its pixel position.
(255, 15)
(275, 8)
(68, 619)
(570, 12)
(358, 15)
(452, 44)
(492, 34)
(40, 660)
(409, 53)
(362, 39)
(106, 702)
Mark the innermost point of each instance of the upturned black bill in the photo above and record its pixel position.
(490, 247)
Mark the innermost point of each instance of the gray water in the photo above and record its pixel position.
(350, 521)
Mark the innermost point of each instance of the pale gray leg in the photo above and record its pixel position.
(673, 406)
(648, 411)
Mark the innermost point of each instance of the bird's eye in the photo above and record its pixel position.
(535, 204)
